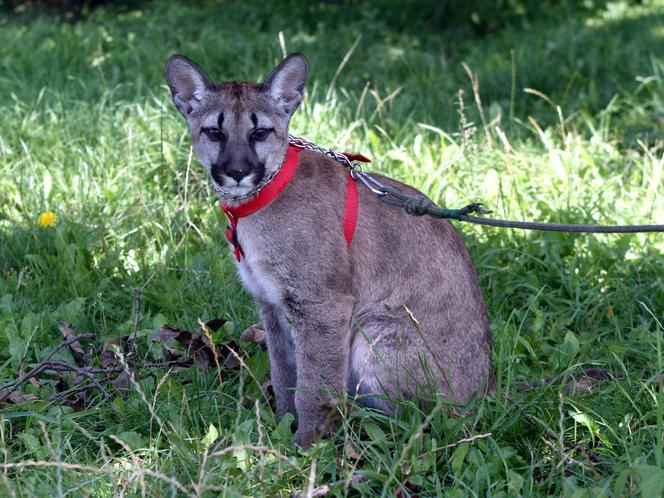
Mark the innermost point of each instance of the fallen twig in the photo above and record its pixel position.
(466, 440)
(137, 319)
(61, 366)
(323, 490)
(589, 454)
(10, 387)
(202, 352)
(69, 392)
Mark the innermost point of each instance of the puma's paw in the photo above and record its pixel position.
(305, 438)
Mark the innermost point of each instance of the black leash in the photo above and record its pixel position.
(419, 205)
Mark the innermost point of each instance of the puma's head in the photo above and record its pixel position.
(239, 130)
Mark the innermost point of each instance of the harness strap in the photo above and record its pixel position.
(350, 210)
(270, 191)
(231, 234)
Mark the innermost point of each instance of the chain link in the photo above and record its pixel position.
(354, 167)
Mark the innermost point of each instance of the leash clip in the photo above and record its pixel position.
(371, 183)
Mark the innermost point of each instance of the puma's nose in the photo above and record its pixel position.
(237, 172)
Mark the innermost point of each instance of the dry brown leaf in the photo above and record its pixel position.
(74, 347)
(230, 357)
(166, 334)
(215, 324)
(108, 358)
(255, 333)
(198, 347)
(201, 351)
(122, 382)
(351, 451)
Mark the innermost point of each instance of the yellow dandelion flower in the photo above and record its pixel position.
(47, 219)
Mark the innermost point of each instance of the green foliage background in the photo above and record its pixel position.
(566, 127)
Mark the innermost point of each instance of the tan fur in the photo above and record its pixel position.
(399, 314)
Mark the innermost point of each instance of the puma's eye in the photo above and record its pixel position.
(260, 134)
(213, 134)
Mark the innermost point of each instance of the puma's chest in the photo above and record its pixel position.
(259, 277)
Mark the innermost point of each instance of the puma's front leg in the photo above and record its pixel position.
(321, 335)
(283, 375)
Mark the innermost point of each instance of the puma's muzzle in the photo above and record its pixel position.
(238, 166)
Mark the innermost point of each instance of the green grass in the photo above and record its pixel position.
(87, 131)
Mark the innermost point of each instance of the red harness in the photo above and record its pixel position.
(270, 191)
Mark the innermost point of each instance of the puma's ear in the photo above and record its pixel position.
(188, 83)
(286, 83)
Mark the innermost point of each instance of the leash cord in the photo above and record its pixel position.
(418, 205)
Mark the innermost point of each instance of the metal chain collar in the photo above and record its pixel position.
(354, 167)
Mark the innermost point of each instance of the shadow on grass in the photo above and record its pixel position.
(579, 59)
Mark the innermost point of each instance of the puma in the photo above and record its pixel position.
(397, 313)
